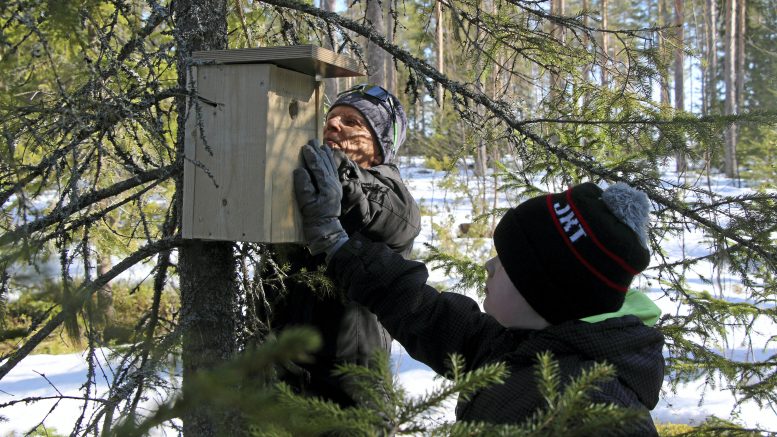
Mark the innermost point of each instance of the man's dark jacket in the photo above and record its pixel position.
(375, 203)
(433, 325)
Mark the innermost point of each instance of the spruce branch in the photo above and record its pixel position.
(61, 213)
(83, 292)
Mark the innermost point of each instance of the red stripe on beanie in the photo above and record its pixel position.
(589, 231)
(574, 251)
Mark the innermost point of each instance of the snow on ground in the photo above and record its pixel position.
(445, 207)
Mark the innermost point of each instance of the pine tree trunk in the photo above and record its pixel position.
(557, 31)
(391, 76)
(587, 46)
(664, 72)
(679, 76)
(209, 292)
(330, 85)
(711, 23)
(740, 57)
(440, 52)
(376, 56)
(481, 153)
(729, 49)
(605, 43)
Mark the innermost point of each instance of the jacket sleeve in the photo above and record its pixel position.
(377, 204)
(429, 324)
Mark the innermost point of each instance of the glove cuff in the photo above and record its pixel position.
(330, 235)
(332, 250)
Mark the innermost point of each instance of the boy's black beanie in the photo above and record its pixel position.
(569, 255)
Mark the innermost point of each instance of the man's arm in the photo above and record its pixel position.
(377, 204)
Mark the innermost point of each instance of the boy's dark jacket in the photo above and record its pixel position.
(376, 203)
(433, 325)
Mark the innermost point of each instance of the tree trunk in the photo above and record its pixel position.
(557, 31)
(711, 23)
(729, 49)
(605, 44)
(481, 153)
(739, 74)
(664, 71)
(587, 47)
(330, 85)
(440, 52)
(376, 56)
(679, 76)
(209, 291)
(209, 318)
(391, 77)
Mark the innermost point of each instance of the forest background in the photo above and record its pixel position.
(93, 102)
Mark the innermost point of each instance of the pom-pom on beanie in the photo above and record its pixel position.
(380, 119)
(574, 254)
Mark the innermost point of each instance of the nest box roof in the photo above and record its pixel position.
(307, 59)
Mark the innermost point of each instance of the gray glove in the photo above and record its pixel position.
(319, 193)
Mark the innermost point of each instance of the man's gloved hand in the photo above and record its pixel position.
(340, 158)
(319, 193)
(355, 206)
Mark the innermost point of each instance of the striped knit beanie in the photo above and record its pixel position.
(574, 254)
(380, 117)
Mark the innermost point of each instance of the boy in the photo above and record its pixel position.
(560, 258)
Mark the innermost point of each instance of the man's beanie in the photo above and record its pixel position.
(379, 118)
(574, 254)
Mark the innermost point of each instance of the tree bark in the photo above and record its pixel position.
(209, 291)
(729, 49)
(679, 75)
(710, 86)
(557, 31)
(481, 153)
(391, 77)
(440, 52)
(587, 67)
(376, 56)
(209, 319)
(664, 71)
(739, 74)
(330, 85)
(605, 44)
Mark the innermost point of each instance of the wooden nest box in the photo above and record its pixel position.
(255, 109)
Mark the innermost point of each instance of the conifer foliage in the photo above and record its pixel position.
(91, 103)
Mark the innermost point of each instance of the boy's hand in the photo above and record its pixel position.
(319, 193)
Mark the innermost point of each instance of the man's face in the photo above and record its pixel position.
(505, 303)
(347, 130)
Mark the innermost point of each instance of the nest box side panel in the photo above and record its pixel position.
(294, 116)
(228, 136)
(187, 215)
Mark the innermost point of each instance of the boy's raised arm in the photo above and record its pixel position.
(429, 324)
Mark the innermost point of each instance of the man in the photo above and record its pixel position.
(365, 126)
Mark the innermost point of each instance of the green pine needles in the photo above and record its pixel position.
(247, 385)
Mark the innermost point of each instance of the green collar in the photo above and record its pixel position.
(636, 304)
